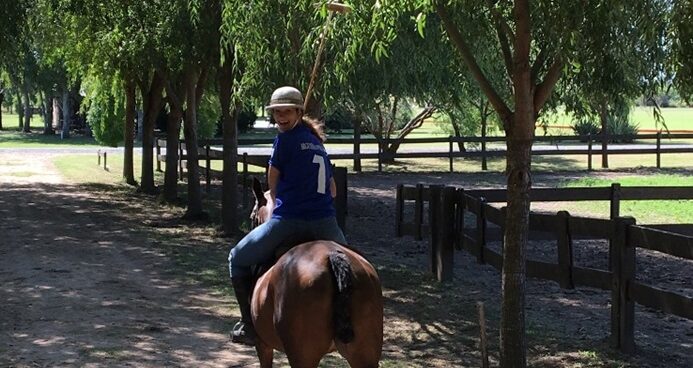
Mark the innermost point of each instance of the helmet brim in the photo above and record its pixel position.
(283, 105)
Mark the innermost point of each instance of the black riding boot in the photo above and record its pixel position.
(243, 332)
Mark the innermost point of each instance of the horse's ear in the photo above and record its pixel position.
(259, 194)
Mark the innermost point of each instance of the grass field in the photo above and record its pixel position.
(83, 169)
(539, 163)
(11, 121)
(36, 139)
(674, 118)
(645, 212)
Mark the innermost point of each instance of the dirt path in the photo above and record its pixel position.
(90, 276)
(80, 288)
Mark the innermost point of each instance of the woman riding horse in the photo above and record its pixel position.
(301, 190)
(318, 297)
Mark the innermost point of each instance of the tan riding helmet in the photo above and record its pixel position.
(285, 97)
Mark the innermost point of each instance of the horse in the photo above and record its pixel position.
(318, 297)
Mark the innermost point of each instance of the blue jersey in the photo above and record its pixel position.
(303, 190)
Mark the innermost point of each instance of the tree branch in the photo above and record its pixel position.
(458, 40)
(544, 89)
(201, 82)
(416, 122)
(504, 32)
(539, 63)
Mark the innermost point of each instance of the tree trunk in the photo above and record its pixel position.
(2, 99)
(56, 113)
(357, 144)
(603, 116)
(65, 132)
(314, 109)
(151, 94)
(47, 113)
(172, 145)
(513, 344)
(175, 98)
(458, 133)
(27, 110)
(194, 210)
(129, 132)
(20, 114)
(389, 151)
(519, 133)
(484, 121)
(229, 196)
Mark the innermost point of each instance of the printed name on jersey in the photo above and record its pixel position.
(312, 146)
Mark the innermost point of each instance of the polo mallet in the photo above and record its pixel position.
(332, 7)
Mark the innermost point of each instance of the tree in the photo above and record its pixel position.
(380, 90)
(625, 62)
(535, 43)
(680, 33)
(123, 39)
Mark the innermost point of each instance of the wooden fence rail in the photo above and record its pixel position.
(447, 207)
(208, 155)
(483, 153)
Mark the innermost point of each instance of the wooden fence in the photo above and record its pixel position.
(207, 154)
(207, 145)
(448, 205)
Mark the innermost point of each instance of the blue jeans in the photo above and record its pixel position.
(259, 245)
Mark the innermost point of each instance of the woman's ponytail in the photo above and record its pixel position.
(316, 127)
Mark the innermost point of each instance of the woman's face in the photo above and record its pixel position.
(286, 118)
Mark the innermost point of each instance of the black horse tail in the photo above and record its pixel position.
(341, 304)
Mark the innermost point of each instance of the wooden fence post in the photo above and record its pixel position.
(450, 151)
(105, 155)
(418, 212)
(480, 230)
(605, 150)
(614, 213)
(98, 158)
(659, 149)
(380, 154)
(589, 152)
(245, 179)
(565, 251)
(399, 210)
(443, 255)
(623, 274)
(180, 159)
(434, 205)
(340, 178)
(357, 147)
(459, 218)
(208, 174)
(484, 166)
(158, 153)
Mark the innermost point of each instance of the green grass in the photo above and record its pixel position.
(11, 121)
(550, 163)
(11, 137)
(36, 139)
(83, 168)
(675, 119)
(644, 211)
